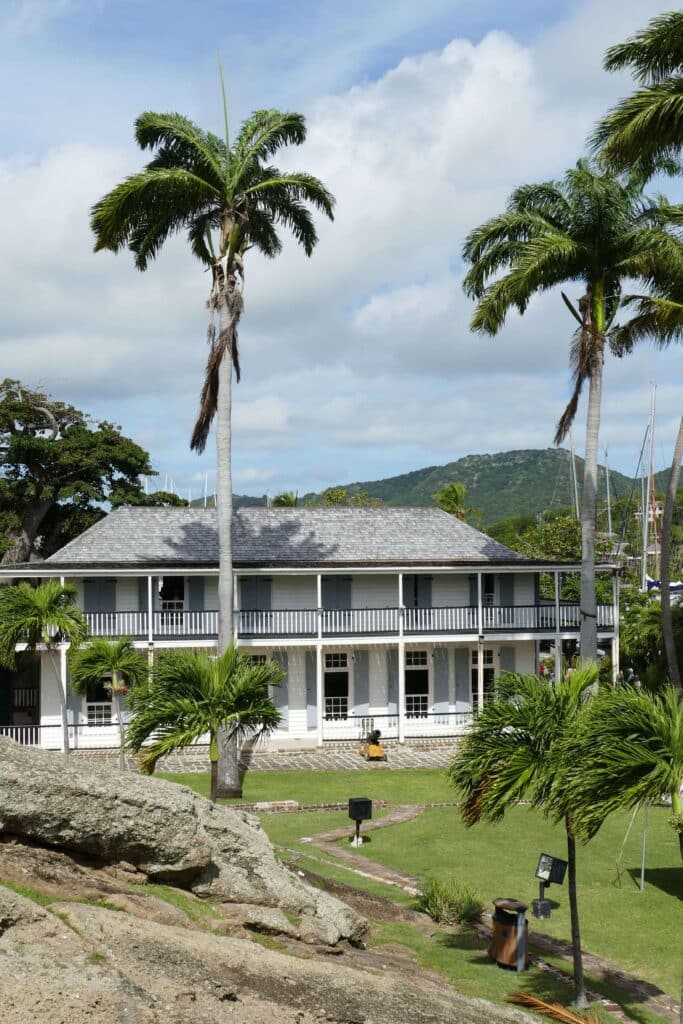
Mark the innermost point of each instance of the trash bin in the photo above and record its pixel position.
(509, 934)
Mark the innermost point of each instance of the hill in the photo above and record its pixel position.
(504, 484)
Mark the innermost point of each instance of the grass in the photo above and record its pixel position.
(415, 786)
(196, 910)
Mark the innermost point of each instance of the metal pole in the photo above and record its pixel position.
(642, 856)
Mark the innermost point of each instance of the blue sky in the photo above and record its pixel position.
(358, 363)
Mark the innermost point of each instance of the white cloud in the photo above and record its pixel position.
(26, 17)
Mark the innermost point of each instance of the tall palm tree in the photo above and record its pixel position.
(645, 130)
(229, 199)
(44, 616)
(594, 230)
(627, 750)
(118, 666)
(191, 695)
(665, 577)
(513, 752)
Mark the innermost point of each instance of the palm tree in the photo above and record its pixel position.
(645, 130)
(41, 616)
(628, 749)
(512, 753)
(229, 199)
(451, 498)
(117, 665)
(667, 524)
(191, 695)
(592, 229)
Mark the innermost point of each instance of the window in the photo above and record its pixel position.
(417, 684)
(258, 659)
(489, 675)
(488, 590)
(416, 659)
(336, 660)
(98, 704)
(487, 657)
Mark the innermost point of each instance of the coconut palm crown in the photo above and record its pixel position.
(645, 130)
(593, 230)
(191, 695)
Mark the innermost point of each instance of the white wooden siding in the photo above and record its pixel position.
(293, 592)
(372, 591)
(450, 591)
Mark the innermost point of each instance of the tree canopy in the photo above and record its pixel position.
(57, 466)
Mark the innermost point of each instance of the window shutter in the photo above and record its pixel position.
(473, 591)
(392, 682)
(264, 592)
(507, 659)
(248, 594)
(441, 680)
(280, 693)
(329, 592)
(311, 695)
(423, 592)
(142, 594)
(507, 589)
(99, 595)
(195, 594)
(344, 592)
(362, 683)
(462, 679)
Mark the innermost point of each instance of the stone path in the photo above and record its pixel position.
(644, 993)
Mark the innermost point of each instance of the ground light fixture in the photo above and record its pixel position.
(360, 809)
(550, 871)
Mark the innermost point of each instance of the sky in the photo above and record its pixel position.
(358, 363)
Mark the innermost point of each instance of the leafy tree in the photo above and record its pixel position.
(589, 228)
(41, 616)
(229, 199)
(642, 638)
(288, 499)
(191, 695)
(157, 499)
(451, 499)
(118, 666)
(645, 130)
(361, 499)
(56, 465)
(513, 752)
(627, 750)
(335, 496)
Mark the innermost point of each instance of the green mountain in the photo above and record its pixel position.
(506, 484)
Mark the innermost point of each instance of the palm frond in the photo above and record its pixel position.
(656, 319)
(33, 615)
(643, 131)
(553, 1010)
(652, 54)
(261, 135)
(102, 658)
(181, 144)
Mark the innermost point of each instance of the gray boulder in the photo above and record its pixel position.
(163, 829)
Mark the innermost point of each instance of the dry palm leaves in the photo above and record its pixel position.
(553, 1010)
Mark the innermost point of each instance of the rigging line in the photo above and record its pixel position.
(627, 510)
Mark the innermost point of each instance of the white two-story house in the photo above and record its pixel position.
(392, 618)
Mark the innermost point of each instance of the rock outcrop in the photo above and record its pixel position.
(161, 829)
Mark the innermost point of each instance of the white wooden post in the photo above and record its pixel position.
(150, 612)
(616, 654)
(401, 691)
(558, 641)
(401, 608)
(480, 644)
(319, 602)
(319, 692)
(62, 679)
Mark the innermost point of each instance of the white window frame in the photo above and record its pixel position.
(420, 704)
(339, 661)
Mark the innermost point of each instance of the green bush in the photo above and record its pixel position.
(450, 902)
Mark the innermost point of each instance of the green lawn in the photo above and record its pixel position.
(412, 786)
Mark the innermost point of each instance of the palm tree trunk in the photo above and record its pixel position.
(667, 522)
(228, 783)
(119, 717)
(62, 699)
(580, 999)
(589, 621)
(213, 754)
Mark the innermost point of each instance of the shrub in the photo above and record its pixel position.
(450, 902)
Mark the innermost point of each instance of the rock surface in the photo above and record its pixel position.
(80, 964)
(161, 829)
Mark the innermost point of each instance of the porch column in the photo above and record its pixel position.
(558, 641)
(319, 602)
(235, 608)
(480, 607)
(62, 680)
(480, 671)
(150, 612)
(319, 691)
(401, 691)
(401, 609)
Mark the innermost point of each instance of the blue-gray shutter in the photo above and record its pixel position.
(507, 589)
(362, 683)
(392, 682)
(142, 594)
(195, 594)
(463, 692)
(336, 592)
(441, 680)
(256, 593)
(474, 600)
(311, 695)
(280, 693)
(424, 591)
(99, 595)
(507, 659)
(344, 592)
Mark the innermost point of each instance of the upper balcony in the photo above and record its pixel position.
(312, 623)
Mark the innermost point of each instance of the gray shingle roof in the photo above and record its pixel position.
(282, 536)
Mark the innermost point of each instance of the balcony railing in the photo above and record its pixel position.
(307, 622)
